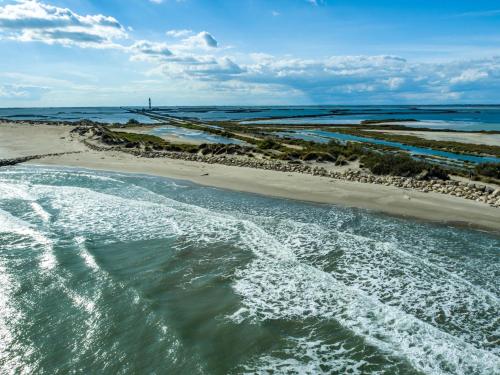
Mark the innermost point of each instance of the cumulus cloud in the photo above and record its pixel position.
(144, 50)
(351, 78)
(195, 60)
(201, 40)
(469, 76)
(182, 33)
(31, 20)
(203, 68)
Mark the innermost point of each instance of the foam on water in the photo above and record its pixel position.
(414, 302)
(395, 275)
(12, 225)
(274, 291)
(86, 255)
(305, 355)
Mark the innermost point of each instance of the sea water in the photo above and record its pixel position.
(117, 274)
(456, 117)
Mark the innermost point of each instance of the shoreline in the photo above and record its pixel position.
(313, 199)
(395, 201)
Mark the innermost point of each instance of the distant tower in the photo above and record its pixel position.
(150, 104)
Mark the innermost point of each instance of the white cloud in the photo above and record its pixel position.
(21, 92)
(201, 40)
(182, 33)
(35, 21)
(316, 2)
(394, 83)
(194, 60)
(144, 50)
(469, 76)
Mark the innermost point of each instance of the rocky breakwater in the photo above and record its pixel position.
(472, 191)
(244, 157)
(23, 159)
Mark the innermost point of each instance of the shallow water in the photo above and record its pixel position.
(323, 136)
(192, 135)
(457, 117)
(113, 273)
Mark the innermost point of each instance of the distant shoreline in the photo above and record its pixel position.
(17, 141)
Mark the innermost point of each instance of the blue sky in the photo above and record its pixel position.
(197, 52)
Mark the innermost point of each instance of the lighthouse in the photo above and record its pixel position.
(150, 104)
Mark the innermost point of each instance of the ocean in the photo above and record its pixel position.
(119, 273)
(457, 117)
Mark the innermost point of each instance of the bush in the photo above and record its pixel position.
(437, 173)
(488, 170)
(133, 121)
(401, 165)
(318, 156)
(268, 144)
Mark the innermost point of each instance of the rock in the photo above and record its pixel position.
(488, 190)
(341, 160)
(422, 175)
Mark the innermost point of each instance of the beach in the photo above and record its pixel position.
(19, 140)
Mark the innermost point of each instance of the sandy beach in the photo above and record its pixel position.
(23, 140)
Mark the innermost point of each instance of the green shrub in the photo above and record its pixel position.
(401, 165)
(133, 121)
(318, 156)
(268, 144)
(489, 170)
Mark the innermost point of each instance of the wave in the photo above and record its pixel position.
(391, 287)
(24, 231)
(278, 291)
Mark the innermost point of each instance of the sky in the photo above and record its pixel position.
(248, 52)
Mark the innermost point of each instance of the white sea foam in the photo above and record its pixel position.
(86, 255)
(13, 225)
(394, 275)
(12, 189)
(297, 291)
(407, 303)
(44, 215)
(307, 356)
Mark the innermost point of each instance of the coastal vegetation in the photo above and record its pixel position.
(410, 140)
(488, 170)
(263, 143)
(332, 152)
(402, 165)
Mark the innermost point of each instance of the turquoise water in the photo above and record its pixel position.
(322, 136)
(193, 135)
(120, 274)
